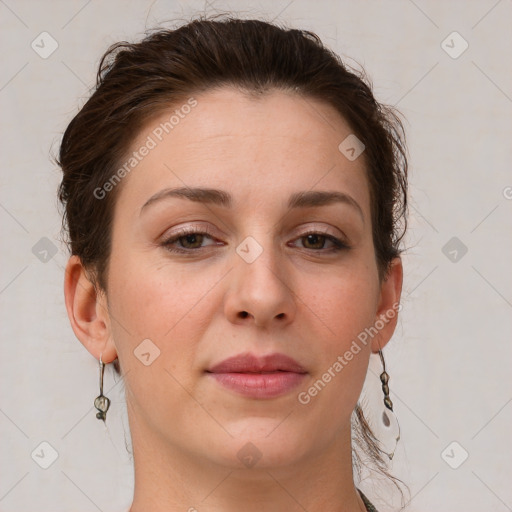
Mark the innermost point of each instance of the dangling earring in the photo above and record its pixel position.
(102, 403)
(389, 421)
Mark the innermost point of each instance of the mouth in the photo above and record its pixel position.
(258, 377)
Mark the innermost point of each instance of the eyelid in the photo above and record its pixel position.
(188, 229)
(339, 243)
(319, 230)
(205, 229)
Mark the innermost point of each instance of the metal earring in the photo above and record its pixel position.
(386, 418)
(102, 403)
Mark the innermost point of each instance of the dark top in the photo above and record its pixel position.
(366, 501)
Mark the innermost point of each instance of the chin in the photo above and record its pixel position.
(258, 444)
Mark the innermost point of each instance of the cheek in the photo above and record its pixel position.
(152, 300)
(162, 304)
(338, 316)
(156, 324)
(341, 303)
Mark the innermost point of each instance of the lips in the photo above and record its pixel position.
(248, 363)
(258, 377)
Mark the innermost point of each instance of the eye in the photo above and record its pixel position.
(315, 241)
(190, 240)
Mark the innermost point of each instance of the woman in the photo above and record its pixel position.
(234, 197)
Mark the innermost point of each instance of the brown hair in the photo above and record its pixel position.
(137, 81)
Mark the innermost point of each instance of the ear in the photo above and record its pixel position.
(389, 305)
(88, 312)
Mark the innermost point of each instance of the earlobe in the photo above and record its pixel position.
(389, 305)
(87, 312)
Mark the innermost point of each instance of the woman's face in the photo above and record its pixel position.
(251, 281)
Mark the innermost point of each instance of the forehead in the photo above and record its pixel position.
(277, 142)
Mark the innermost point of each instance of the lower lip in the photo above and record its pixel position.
(260, 385)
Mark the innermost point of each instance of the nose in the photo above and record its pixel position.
(260, 291)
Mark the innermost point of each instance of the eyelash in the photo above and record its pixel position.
(339, 245)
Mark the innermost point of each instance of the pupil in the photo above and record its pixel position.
(191, 239)
(313, 239)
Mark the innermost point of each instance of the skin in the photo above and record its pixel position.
(300, 299)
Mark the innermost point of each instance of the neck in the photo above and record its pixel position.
(169, 479)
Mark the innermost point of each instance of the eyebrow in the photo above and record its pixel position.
(218, 197)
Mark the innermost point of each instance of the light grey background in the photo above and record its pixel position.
(450, 358)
